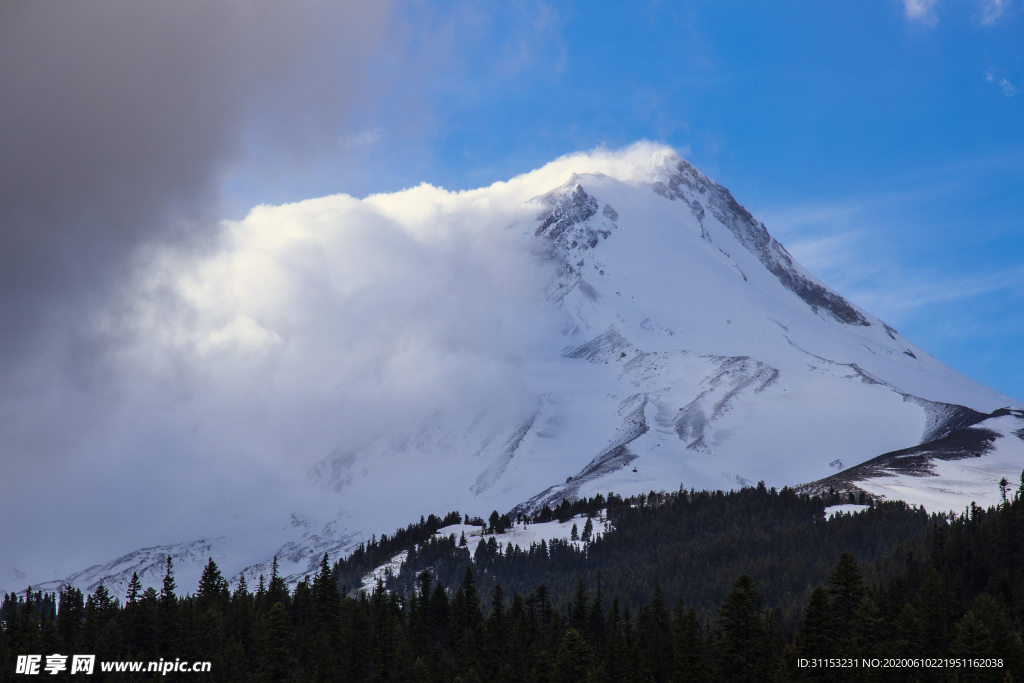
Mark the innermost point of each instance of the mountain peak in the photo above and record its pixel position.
(680, 344)
(574, 206)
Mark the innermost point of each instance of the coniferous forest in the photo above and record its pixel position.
(749, 585)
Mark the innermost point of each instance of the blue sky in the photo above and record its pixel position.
(881, 141)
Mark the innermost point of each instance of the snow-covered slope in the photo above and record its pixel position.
(962, 462)
(691, 349)
(695, 351)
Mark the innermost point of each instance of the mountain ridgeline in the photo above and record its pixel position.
(647, 600)
(678, 342)
(695, 348)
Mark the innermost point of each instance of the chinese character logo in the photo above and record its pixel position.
(28, 664)
(82, 664)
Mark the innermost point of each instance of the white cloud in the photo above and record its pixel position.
(991, 10)
(364, 139)
(311, 327)
(921, 10)
(1008, 88)
(240, 335)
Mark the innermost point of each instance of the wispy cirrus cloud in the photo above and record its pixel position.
(922, 11)
(872, 253)
(1008, 88)
(365, 138)
(906, 291)
(991, 10)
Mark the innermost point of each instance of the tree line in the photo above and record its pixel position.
(900, 584)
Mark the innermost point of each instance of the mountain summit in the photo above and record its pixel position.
(691, 349)
(696, 350)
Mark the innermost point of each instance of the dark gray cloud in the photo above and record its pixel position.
(163, 373)
(117, 121)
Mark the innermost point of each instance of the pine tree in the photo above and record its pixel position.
(355, 649)
(573, 660)
(190, 637)
(506, 674)
(595, 622)
(240, 620)
(109, 641)
(71, 613)
(654, 630)
(870, 630)
(277, 590)
(469, 677)
(392, 659)
(818, 631)
(972, 641)
(689, 665)
(541, 670)
(419, 611)
(935, 605)
(276, 659)
(142, 639)
(167, 593)
(610, 669)
(235, 667)
(632, 665)
(439, 616)
(1005, 639)
(51, 640)
(213, 590)
(27, 637)
(496, 629)
(846, 588)
(743, 645)
(473, 615)
(131, 613)
(168, 612)
(134, 588)
(578, 619)
(326, 624)
(100, 609)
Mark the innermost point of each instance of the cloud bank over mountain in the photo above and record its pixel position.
(613, 321)
(301, 329)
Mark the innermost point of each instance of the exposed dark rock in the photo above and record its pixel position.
(601, 348)
(497, 468)
(754, 236)
(570, 209)
(735, 375)
(616, 456)
(946, 418)
(972, 442)
(951, 435)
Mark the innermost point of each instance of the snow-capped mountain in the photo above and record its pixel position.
(692, 350)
